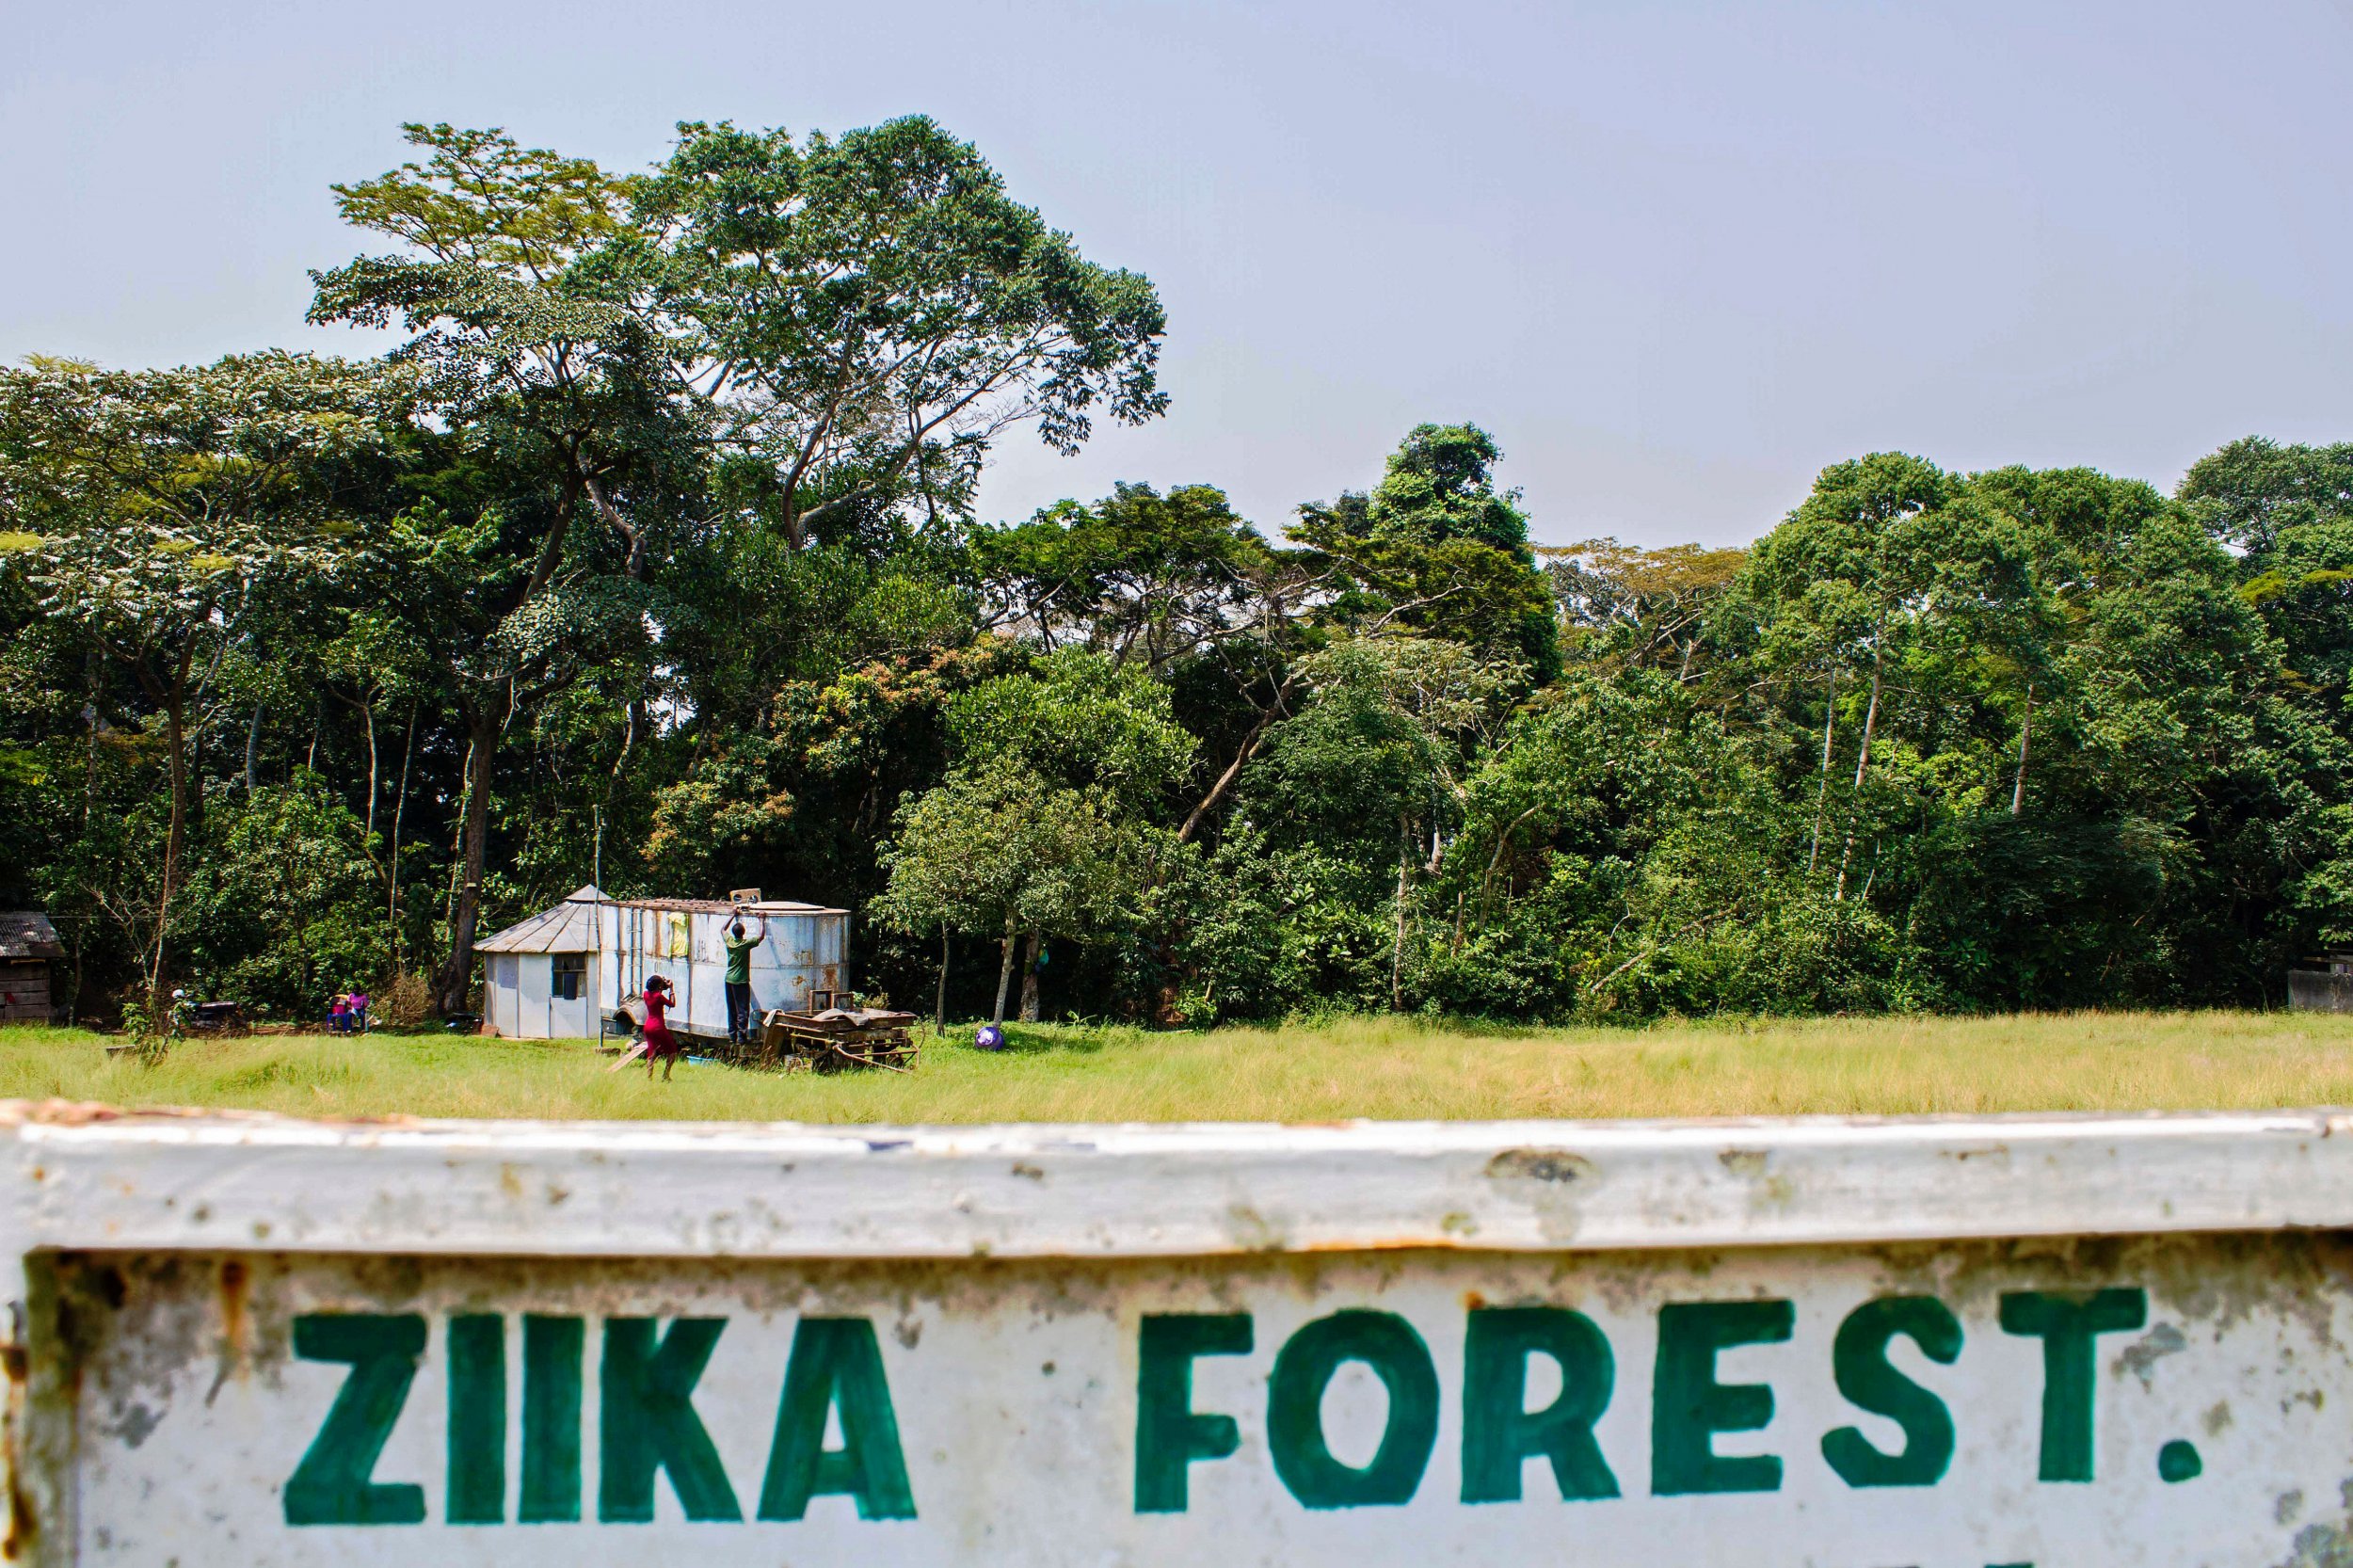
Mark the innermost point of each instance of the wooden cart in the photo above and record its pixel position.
(822, 1038)
(836, 1039)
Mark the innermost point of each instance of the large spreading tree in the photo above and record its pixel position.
(866, 315)
(163, 514)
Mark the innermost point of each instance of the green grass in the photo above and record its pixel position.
(1370, 1068)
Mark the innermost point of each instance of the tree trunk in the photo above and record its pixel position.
(175, 844)
(1004, 972)
(392, 860)
(367, 712)
(458, 968)
(1225, 781)
(628, 739)
(1862, 759)
(252, 743)
(2026, 728)
(74, 996)
(1821, 791)
(1029, 980)
(1242, 756)
(940, 1004)
(1397, 941)
(92, 672)
(1487, 881)
(456, 852)
(638, 565)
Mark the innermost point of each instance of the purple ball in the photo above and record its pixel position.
(990, 1038)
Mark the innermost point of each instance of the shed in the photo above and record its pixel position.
(541, 977)
(547, 977)
(28, 943)
(2327, 987)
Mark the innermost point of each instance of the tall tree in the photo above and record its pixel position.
(1380, 746)
(160, 510)
(1178, 585)
(1888, 554)
(1622, 605)
(997, 852)
(561, 402)
(1100, 738)
(1079, 721)
(2252, 489)
(1436, 547)
(869, 314)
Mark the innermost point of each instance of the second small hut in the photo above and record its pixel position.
(28, 945)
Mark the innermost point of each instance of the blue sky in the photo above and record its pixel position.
(1677, 257)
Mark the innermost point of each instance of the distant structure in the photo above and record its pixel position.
(28, 944)
(547, 978)
(2327, 989)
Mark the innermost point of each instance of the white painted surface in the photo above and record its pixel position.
(1006, 1273)
(520, 1000)
(532, 982)
(505, 1009)
(1017, 1400)
(657, 1189)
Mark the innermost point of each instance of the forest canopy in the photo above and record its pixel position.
(652, 552)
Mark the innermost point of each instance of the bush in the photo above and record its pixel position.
(407, 1002)
(283, 906)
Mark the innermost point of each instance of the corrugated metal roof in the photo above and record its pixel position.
(27, 934)
(571, 925)
(721, 906)
(568, 927)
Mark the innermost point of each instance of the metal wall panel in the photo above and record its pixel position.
(2320, 991)
(531, 995)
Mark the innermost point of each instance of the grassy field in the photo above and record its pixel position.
(1370, 1067)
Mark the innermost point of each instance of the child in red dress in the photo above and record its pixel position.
(661, 1044)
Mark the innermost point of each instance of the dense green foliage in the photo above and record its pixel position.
(652, 554)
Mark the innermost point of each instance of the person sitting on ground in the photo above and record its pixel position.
(661, 1044)
(739, 978)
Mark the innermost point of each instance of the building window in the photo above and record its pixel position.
(571, 975)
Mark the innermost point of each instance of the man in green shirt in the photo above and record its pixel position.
(739, 978)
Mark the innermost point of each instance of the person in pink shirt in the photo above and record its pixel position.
(661, 1044)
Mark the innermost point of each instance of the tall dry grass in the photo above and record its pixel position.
(1359, 1067)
